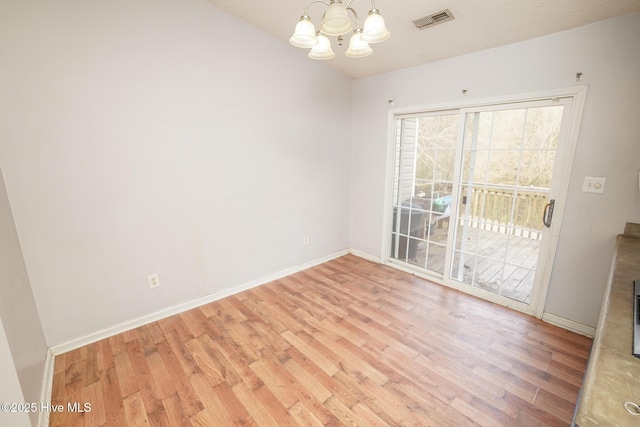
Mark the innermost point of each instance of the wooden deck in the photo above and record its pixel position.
(505, 264)
(345, 343)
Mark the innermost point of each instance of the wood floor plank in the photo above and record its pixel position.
(508, 382)
(350, 363)
(474, 414)
(144, 377)
(340, 385)
(370, 418)
(177, 342)
(272, 404)
(96, 415)
(134, 410)
(274, 382)
(161, 377)
(348, 342)
(116, 344)
(187, 398)
(175, 413)
(462, 376)
(344, 413)
(237, 365)
(383, 403)
(427, 408)
(307, 381)
(296, 386)
(254, 406)
(224, 394)
(214, 412)
(318, 357)
(126, 374)
(194, 320)
(104, 355)
(112, 401)
(233, 308)
(304, 417)
(201, 353)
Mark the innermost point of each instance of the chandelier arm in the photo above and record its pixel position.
(373, 4)
(306, 9)
(356, 15)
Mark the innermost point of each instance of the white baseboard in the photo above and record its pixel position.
(569, 325)
(365, 255)
(170, 311)
(47, 384)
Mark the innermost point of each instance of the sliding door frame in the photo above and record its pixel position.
(566, 150)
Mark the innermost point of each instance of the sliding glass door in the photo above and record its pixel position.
(474, 191)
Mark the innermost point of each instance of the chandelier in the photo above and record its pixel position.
(336, 22)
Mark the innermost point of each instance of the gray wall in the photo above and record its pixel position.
(10, 390)
(18, 310)
(608, 144)
(163, 136)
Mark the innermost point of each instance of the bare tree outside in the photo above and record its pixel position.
(521, 141)
(437, 139)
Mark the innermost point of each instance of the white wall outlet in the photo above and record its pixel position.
(153, 280)
(305, 240)
(593, 184)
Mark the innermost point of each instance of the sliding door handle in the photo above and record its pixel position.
(547, 215)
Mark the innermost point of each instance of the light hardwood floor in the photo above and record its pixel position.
(348, 342)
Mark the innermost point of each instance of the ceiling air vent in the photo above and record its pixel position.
(433, 19)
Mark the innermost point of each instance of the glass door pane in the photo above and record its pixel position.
(423, 187)
(508, 159)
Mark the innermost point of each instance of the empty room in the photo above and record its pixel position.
(319, 213)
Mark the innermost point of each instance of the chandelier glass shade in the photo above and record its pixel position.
(322, 50)
(336, 22)
(358, 48)
(374, 30)
(305, 34)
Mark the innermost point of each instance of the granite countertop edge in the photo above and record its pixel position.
(613, 373)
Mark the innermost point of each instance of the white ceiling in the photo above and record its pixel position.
(478, 24)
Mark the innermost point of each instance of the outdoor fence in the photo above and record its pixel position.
(505, 209)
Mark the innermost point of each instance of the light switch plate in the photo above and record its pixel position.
(593, 184)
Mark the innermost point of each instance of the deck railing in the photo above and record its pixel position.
(505, 209)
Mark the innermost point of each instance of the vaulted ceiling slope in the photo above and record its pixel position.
(478, 25)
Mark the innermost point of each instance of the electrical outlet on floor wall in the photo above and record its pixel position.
(154, 280)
